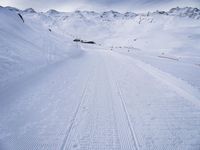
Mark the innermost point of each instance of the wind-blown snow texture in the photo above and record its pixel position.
(137, 88)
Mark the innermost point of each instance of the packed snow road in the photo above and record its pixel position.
(99, 100)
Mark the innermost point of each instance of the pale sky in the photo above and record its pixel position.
(100, 5)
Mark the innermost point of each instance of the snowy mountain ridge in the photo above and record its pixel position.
(189, 12)
(185, 12)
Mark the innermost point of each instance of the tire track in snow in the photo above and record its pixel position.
(74, 141)
(107, 125)
(133, 133)
(105, 107)
(97, 128)
(122, 101)
(67, 134)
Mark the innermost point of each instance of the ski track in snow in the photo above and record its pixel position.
(100, 100)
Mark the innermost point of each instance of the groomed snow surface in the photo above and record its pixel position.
(137, 88)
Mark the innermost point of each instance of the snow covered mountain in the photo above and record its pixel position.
(109, 29)
(99, 80)
(185, 12)
(173, 29)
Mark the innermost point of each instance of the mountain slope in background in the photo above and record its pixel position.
(47, 34)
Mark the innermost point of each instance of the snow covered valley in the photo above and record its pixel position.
(134, 86)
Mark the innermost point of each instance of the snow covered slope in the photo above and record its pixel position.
(26, 46)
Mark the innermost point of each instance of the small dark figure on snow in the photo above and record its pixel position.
(21, 17)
